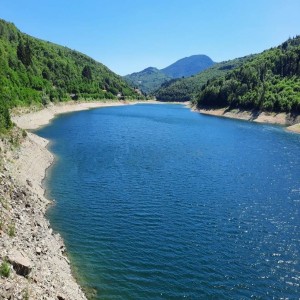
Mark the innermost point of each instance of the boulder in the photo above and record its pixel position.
(21, 263)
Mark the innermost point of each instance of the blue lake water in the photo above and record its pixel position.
(158, 202)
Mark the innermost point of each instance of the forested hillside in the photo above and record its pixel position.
(37, 72)
(151, 79)
(185, 89)
(147, 80)
(268, 82)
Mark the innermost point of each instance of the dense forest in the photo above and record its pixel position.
(268, 82)
(185, 89)
(147, 80)
(151, 79)
(38, 72)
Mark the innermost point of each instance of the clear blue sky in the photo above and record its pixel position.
(130, 35)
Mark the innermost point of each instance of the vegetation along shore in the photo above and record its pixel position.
(39, 80)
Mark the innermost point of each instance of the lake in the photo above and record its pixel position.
(158, 202)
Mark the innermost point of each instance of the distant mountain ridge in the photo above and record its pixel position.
(188, 66)
(268, 81)
(150, 79)
(185, 89)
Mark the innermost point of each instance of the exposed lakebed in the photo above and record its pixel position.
(158, 202)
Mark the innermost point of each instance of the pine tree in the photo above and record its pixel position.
(87, 73)
(24, 53)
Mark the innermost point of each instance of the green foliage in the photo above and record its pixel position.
(185, 89)
(26, 294)
(35, 72)
(5, 269)
(268, 82)
(11, 230)
(147, 80)
(24, 133)
(5, 121)
(87, 72)
(24, 53)
(151, 79)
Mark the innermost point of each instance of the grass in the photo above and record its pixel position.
(26, 294)
(11, 230)
(5, 269)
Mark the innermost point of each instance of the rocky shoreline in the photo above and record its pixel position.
(291, 122)
(34, 255)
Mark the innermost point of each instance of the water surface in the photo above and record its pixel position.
(157, 202)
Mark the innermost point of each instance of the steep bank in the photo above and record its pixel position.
(292, 121)
(39, 267)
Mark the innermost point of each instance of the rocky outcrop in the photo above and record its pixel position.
(39, 268)
(20, 262)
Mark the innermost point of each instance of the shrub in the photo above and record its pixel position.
(11, 230)
(5, 269)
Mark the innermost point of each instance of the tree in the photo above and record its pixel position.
(87, 72)
(24, 53)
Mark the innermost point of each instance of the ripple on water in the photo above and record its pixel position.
(156, 202)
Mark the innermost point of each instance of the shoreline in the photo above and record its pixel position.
(35, 119)
(33, 246)
(21, 183)
(290, 122)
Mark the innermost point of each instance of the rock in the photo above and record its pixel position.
(29, 182)
(21, 263)
(38, 250)
(61, 297)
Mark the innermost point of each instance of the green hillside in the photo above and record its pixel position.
(151, 79)
(268, 82)
(147, 80)
(186, 88)
(36, 72)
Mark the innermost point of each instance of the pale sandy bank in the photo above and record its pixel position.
(291, 121)
(42, 117)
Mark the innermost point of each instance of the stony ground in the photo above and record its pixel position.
(33, 254)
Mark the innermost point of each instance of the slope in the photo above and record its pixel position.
(147, 80)
(37, 72)
(150, 79)
(268, 82)
(186, 88)
(188, 66)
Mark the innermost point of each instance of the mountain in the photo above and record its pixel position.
(37, 72)
(268, 82)
(188, 66)
(184, 89)
(147, 80)
(150, 79)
